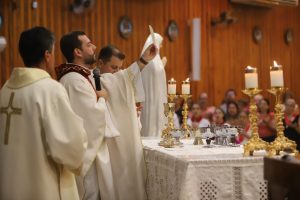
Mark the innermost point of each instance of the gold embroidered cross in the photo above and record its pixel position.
(9, 110)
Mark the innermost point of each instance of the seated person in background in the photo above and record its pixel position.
(230, 95)
(289, 95)
(289, 111)
(243, 105)
(178, 109)
(218, 117)
(293, 131)
(244, 130)
(257, 98)
(266, 121)
(206, 110)
(190, 104)
(232, 116)
(197, 121)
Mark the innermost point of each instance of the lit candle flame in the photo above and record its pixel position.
(172, 79)
(275, 63)
(249, 67)
(187, 80)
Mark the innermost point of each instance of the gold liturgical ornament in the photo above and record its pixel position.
(255, 143)
(281, 143)
(251, 83)
(167, 140)
(9, 111)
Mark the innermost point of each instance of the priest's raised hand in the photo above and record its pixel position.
(147, 56)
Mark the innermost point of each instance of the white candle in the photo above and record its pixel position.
(172, 86)
(185, 87)
(276, 75)
(251, 78)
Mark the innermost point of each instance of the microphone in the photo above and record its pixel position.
(96, 76)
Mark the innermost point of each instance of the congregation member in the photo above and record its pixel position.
(243, 128)
(293, 131)
(232, 115)
(206, 110)
(289, 111)
(42, 140)
(289, 95)
(266, 121)
(243, 105)
(230, 95)
(218, 117)
(154, 81)
(197, 121)
(96, 179)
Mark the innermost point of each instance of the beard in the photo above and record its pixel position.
(90, 59)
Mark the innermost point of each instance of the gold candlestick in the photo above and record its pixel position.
(281, 143)
(254, 143)
(167, 140)
(185, 112)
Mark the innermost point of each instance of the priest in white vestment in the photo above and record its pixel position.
(153, 118)
(41, 139)
(125, 89)
(96, 178)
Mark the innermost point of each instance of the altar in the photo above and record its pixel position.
(197, 172)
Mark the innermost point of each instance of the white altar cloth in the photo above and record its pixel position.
(194, 172)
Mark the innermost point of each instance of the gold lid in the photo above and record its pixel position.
(275, 66)
(250, 69)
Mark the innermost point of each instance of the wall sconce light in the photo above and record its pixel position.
(224, 18)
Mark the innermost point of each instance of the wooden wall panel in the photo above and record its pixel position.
(225, 49)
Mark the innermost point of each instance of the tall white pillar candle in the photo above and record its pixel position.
(251, 78)
(185, 87)
(276, 75)
(172, 86)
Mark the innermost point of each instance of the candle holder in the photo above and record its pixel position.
(255, 143)
(281, 143)
(185, 129)
(167, 140)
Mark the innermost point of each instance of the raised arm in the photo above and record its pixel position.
(147, 56)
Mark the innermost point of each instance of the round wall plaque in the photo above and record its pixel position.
(288, 36)
(125, 27)
(172, 30)
(257, 34)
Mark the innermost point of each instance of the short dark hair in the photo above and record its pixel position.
(108, 51)
(69, 42)
(33, 43)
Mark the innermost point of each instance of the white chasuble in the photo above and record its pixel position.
(41, 138)
(126, 152)
(153, 118)
(96, 175)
